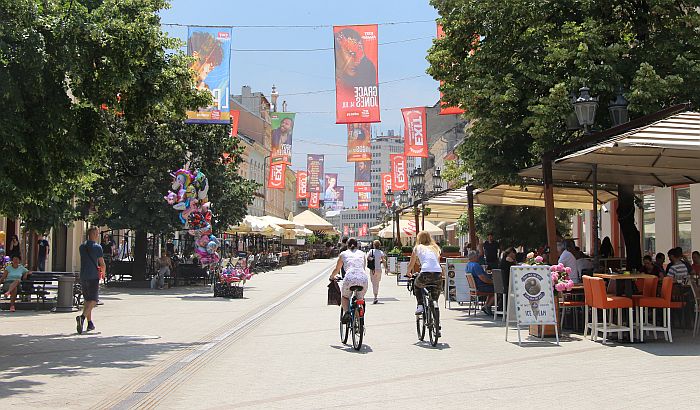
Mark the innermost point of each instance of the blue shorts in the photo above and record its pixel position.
(485, 288)
(90, 288)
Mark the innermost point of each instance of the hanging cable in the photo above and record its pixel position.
(312, 26)
(304, 50)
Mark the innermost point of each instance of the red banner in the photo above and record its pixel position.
(365, 230)
(346, 230)
(364, 196)
(386, 185)
(399, 178)
(314, 168)
(359, 142)
(444, 108)
(363, 206)
(314, 200)
(302, 185)
(415, 136)
(276, 178)
(356, 78)
(235, 119)
(363, 177)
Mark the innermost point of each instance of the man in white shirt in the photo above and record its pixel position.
(568, 259)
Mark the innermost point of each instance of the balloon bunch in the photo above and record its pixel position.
(189, 196)
(235, 275)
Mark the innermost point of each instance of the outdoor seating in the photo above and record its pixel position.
(607, 303)
(664, 303)
(499, 289)
(695, 287)
(571, 305)
(588, 295)
(475, 295)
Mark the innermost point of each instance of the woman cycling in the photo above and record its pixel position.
(354, 262)
(427, 253)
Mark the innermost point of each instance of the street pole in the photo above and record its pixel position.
(265, 185)
(470, 213)
(596, 254)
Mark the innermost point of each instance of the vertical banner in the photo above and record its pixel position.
(282, 128)
(330, 196)
(211, 49)
(314, 168)
(346, 230)
(364, 197)
(362, 206)
(356, 78)
(386, 185)
(415, 135)
(363, 177)
(302, 185)
(444, 108)
(359, 142)
(399, 180)
(365, 230)
(276, 178)
(340, 203)
(235, 119)
(314, 200)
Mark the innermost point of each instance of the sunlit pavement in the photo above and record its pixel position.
(279, 348)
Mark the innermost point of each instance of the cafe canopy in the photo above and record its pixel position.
(313, 222)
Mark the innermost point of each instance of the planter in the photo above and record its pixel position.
(225, 290)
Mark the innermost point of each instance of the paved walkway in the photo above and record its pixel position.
(279, 348)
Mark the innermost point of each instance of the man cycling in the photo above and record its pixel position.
(427, 254)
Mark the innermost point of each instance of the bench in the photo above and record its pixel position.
(42, 284)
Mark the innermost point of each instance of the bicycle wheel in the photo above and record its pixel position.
(358, 329)
(344, 329)
(420, 326)
(431, 323)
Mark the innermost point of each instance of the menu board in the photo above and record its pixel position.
(531, 297)
(456, 284)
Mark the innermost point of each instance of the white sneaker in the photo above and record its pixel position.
(419, 310)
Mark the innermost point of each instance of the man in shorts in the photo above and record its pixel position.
(91, 260)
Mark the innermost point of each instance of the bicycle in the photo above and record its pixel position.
(427, 319)
(356, 322)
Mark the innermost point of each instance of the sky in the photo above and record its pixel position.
(315, 130)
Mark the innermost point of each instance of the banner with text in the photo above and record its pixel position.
(359, 142)
(415, 135)
(356, 78)
(330, 195)
(302, 185)
(340, 203)
(235, 119)
(386, 185)
(314, 200)
(211, 49)
(363, 206)
(346, 230)
(282, 128)
(314, 169)
(444, 108)
(276, 178)
(399, 179)
(363, 177)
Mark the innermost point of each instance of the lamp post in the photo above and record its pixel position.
(391, 205)
(417, 182)
(585, 107)
(618, 109)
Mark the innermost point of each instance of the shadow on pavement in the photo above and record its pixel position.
(26, 357)
(426, 345)
(363, 350)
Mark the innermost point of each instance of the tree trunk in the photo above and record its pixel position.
(139, 268)
(625, 216)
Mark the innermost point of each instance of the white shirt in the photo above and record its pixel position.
(353, 261)
(429, 261)
(377, 255)
(569, 260)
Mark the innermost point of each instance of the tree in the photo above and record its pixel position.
(518, 225)
(513, 66)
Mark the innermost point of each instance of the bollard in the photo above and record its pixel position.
(65, 294)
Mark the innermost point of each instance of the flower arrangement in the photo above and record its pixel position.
(560, 278)
(235, 276)
(533, 259)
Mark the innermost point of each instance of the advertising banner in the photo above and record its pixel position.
(444, 108)
(340, 203)
(331, 193)
(282, 128)
(314, 169)
(399, 178)
(532, 289)
(363, 206)
(356, 77)
(415, 135)
(235, 119)
(359, 142)
(365, 230)
(276, 178)
(211, 49)
(314, 200)
(346, 230)
(363, 177)
(386, 185)
(364, 196)
(302, 185)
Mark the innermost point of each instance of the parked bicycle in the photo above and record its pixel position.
(356, 324)
(428, 319)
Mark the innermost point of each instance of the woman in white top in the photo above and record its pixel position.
(354, 262)
(376, 256)
(427, 253)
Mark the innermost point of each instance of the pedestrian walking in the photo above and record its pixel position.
(91, 262)
(13, 248)
(375, 260)
(43, 246)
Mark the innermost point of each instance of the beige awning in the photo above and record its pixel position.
(313, 222)
(408, 229)
(281, 222)
(664, 153)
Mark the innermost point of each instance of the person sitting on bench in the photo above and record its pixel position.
(11, 277)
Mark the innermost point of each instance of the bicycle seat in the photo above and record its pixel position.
(355, 288)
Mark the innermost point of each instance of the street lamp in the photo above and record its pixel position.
(618, 109)
(585, 107)
(437, 181)
(403, 197)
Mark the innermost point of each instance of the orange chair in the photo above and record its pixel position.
(663, 302)
(474, 294)
(570, 304)
(602, 301)
(588, 295)
(648, 287)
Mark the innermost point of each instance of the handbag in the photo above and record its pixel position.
(334, 293)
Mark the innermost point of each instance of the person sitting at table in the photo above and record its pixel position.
(677, 269)
(696, 262)
(583, 262)
(568, 259)
(483, 282)
(508, 260)
(11, 277)
(606, 248)
(650, 268)
(660, 260)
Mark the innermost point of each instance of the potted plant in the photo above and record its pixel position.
(450, 251)
(406, 250)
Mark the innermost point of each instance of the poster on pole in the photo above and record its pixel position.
(302, 185)
(363, 206)
(340, 203)
(314, 200)
(359, 142)
(456, 284)
(282, 128)
(235, 119)
(363, 177)
(356, 74)
(399, 179)
(531, 298)
(330, 196)
(211, 49)
(314, 169)
(415, 136)
(386, 185)
(276, 179)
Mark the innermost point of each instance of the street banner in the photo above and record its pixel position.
(356, 78)
(314, 200)
(211, 49)
(363, 206)
(276, 178)
(235, 119)
(314, 168)
(346, 230)
(415, 135)
(365, 230)
(444, 108)
(399, 179)
(531, 298)
(386, 185)
(302, 185)
(340, 203)
(330, 195)
(359, 142)
(364, 196)
(363, 177)
(282, 128)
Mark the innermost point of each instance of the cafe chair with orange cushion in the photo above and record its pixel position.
(475, 295)
(602, 301)
(588, 295)
(664, 303)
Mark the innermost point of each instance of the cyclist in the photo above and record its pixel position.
(427, 254)
(355, 263)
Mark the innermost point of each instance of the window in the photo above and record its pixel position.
(649, 216)
(682, 218)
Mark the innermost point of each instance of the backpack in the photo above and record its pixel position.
(370, 260)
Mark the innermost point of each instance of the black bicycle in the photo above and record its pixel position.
(356, 324)
(428, 319)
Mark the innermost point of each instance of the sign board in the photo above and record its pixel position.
(393, 263)
(403, 271)
(456, 284)
(531, 298)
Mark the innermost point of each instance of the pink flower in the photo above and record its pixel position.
(569, 285)
(553, 268)
(568, 270)
(560, 266)
(539, 259)
(530, 255)
(555, 277)
(560, 287)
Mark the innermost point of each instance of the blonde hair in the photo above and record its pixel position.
(425, 239)
(376, 244)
